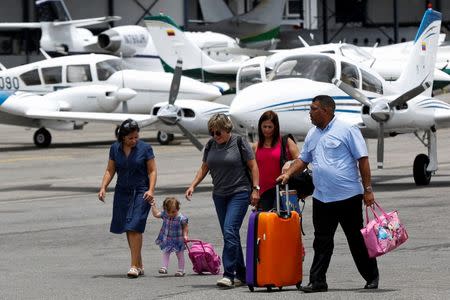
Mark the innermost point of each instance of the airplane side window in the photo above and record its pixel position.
(371, 83)
(52, 75)
(349, 74)
(31, 77)
(108, 67)
(78, 73)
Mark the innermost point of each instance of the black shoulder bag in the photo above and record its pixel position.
(301, 182)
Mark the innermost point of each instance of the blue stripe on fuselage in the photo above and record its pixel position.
(272, 106)
(4, 95)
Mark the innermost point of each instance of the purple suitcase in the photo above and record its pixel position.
(250, 253)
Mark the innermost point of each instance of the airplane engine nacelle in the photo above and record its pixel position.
(124, 39)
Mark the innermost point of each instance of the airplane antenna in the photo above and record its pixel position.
(43, 52)
(305, 44)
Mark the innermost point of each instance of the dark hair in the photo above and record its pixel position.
(272, 116)
(325, 101)
(128, 126)
(171, 202)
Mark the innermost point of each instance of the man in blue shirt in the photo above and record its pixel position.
(338, 155)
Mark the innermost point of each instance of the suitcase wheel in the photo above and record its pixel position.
(251, 288)
(280, 288)
(269, 289)
(299, 285)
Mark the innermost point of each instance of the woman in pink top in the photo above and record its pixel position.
(268, 152)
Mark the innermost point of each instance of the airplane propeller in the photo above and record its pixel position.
(171, 114)
(381, 109)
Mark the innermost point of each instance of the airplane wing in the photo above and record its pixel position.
(88, 22)
(116, 118)
(20, 25)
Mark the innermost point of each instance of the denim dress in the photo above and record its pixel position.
(130, 210)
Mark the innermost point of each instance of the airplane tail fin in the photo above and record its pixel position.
(215, 10)
(266, 12)
(422, 58)
(171, 43)
(52, 10)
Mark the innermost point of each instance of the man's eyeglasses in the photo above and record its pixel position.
(215, 133)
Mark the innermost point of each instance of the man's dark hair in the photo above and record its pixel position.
(325, 101)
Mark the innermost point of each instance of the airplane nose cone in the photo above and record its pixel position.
(125, 94)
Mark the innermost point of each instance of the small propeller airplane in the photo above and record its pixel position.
(65, 88)
(362, 97)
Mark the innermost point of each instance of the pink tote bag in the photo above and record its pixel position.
(384, 232)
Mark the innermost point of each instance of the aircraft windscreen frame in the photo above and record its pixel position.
(249, 75)
(108, 67)
(314, 67)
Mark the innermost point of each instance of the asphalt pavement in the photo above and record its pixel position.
(55, 241)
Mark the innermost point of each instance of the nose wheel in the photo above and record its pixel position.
(164, 138)
(42, 138)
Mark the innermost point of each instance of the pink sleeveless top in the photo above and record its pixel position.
(268, 160)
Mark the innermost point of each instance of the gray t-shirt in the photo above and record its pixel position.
(228, 172)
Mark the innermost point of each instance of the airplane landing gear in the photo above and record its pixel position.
(42, 138)
(164, 138)
(421, 175)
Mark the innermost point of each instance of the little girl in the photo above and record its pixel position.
(173, 233)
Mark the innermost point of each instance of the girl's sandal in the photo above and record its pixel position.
(179, 274)
(162, 270)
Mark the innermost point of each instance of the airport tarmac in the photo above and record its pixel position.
(55, 241)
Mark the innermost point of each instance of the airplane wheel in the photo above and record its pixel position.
(42, 138)
(164, 138)
(421, 175)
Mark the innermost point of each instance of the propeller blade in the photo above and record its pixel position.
(175, 86)
(147, 122)
(352, 92)
(191, 137)
(124, 107)
(380, 146)
(409, 94)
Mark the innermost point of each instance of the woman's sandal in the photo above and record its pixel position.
(133, 273)
(162, 270)
(179, 274)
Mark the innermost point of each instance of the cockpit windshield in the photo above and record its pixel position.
(315, 67)
(249, 75)
(108, 67)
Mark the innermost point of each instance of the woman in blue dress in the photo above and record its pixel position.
(134, 162)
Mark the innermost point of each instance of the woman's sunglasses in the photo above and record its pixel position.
(215, 133)
(130, 125)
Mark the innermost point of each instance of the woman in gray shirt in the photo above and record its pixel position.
(229, 158)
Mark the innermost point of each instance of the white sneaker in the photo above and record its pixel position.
(225, 282)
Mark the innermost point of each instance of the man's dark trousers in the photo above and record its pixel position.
(326, 217)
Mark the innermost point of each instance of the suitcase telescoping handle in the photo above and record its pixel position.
(278, 199)
(194, 241)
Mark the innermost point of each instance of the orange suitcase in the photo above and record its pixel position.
(274, 249)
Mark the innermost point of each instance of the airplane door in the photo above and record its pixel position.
(250, 72)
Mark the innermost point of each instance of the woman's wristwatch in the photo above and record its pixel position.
(256, 188)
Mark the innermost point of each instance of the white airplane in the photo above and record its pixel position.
(389, 108)
(256, 29)
(62, 35)
(86, 71)
(172, 43)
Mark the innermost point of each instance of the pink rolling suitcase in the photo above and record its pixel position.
(203, 257)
